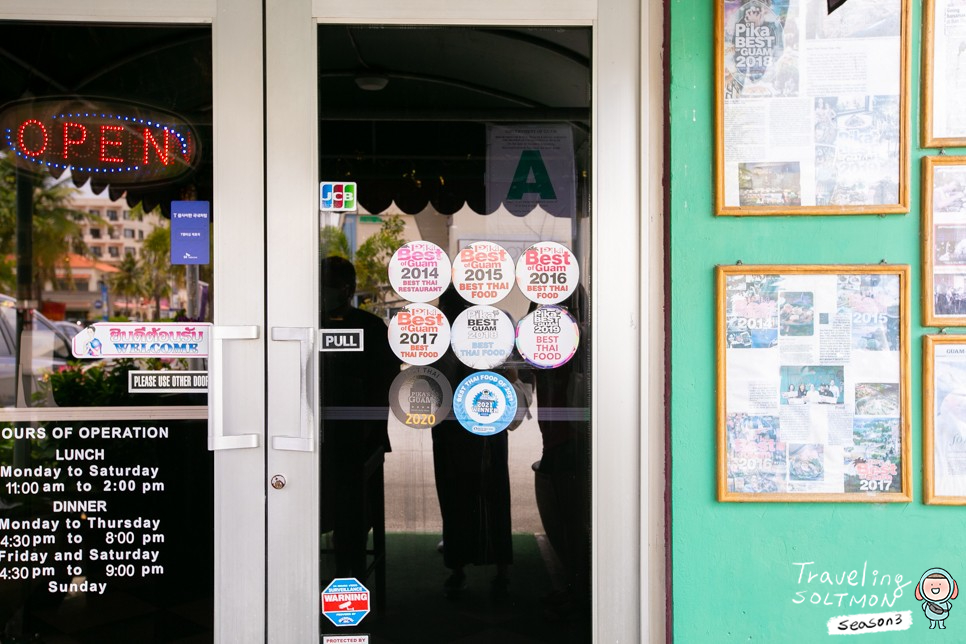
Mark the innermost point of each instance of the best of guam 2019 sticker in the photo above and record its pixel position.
(547, 272)
(548, 337)
(485, 403)
(419, 271)
(420, 397)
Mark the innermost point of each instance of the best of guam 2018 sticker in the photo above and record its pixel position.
(547, 273)
(548, 337)
(419, 271)
(482, 337)
(483, 273)
(420, 397)
(419, 334)
(485, 403)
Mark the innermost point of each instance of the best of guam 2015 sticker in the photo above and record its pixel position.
(483, 273)
(419, 271)
(419, 334)
(482, 337)
(547, 272)
(485, 403)
(420, 397)
(548, 337)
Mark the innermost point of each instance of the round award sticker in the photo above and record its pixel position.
(419, 334)
(483, 273)
(548, 337)
(485, 403)
(420, 397)
(419, 271)
(482, 337)
(547, 272)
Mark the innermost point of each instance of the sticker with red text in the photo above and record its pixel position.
(483, 273)
(419, 271)
(419, 334)
(547, 272)
(548, 337)
(482, 337)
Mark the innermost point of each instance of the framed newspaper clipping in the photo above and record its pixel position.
(813, 383)
(943, 241)
(812, 109)
(943, 73)
(944, 419)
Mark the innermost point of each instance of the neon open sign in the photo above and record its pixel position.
(124, 143)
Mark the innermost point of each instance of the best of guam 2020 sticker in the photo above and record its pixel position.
(419, 271)
(482, 337)
(419, 334)
(420, 397)
(548, 337)
(485, 403)
(547, 272)
(483, 273)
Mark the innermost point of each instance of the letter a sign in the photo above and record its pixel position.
(529, 166)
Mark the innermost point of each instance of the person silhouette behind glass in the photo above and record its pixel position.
(354, 390)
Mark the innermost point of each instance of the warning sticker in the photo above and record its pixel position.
(483, 273)
(419, 334)
(482, 337)
(547, 273)
(420, 397)
(485, 403)
(548, 337)
(419, 271)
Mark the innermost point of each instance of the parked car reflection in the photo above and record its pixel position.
(49, 348)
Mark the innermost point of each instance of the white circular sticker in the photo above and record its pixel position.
(547, 272)
(419, 334)
(419, 271)
(483, 273)
(548, 337)
(482, 337)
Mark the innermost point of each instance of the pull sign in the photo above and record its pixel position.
(337, 197)
(340, 339)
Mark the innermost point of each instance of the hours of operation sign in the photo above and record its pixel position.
(547, 273)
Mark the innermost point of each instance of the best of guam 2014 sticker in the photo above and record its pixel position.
(419, 334)
(420, 397)
(482, 337)
(547, 273)
(485, 403)
(419, 271)
(548, 337)
(483, 273)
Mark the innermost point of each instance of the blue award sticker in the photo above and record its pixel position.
(485, 403)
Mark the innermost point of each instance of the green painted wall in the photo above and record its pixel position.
(734, 578)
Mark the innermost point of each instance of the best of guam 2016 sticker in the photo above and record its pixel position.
(548, 337)
(485, 403)
(419, 334)
(420, 397)
(547, 272)
(482, 337)
(419, 271)
(483, 273)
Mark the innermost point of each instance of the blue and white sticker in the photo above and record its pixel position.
(485, 403)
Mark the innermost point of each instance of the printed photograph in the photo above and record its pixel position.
(806, 462)
(813, 384)
(761, 50)
(877, 399)
(872, 462)
(752, 309)
(949, 189)
(950, 245)
(797, 313)
(770, 184)
(756, 459)
(949, 294)
(872, 302)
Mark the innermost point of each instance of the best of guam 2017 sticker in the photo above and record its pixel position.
(485, 403)
(547, 272)
(483, 273)
(419, 271)
(420, 397)
(419, 334)
(482, 337)
(548, 337)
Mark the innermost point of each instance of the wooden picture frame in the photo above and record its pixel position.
(943, 398)
(802, 124)
(943, 238)
(813, 383)
(941, 116)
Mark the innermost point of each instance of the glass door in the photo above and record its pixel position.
(440, 296)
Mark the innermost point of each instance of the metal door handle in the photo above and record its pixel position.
(217, 440)
(305, 441)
